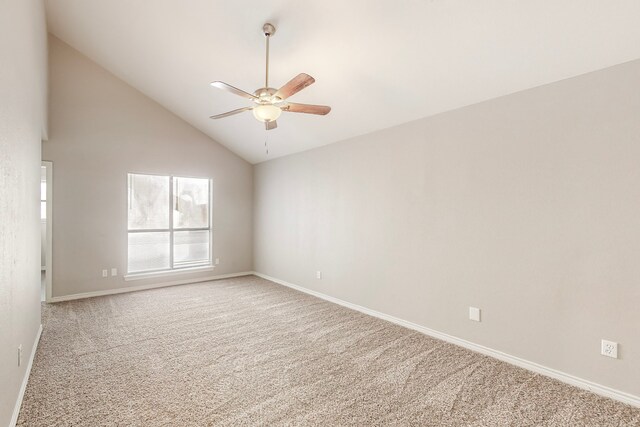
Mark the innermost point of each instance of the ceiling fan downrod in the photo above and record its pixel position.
(268, 30)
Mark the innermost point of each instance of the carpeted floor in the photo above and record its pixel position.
(248, 352)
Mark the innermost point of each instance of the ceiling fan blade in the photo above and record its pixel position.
(231, 113)
(295, 85)
(307, 108)
(270, 125)
(232, 89)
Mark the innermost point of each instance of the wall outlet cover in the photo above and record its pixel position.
(474, 314)
(114, 271)
(105, 273)
(609, 349)
(318, 274)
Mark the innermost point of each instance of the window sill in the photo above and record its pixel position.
(151, 275)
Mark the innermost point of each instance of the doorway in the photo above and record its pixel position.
(46, 209)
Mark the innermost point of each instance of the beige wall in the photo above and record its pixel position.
(527, 206)
(23, 91)
(100, 129)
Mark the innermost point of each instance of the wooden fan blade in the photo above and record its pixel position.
(270, 125)
(231, 113)
(295, 85)
(307, 108)
(234, 90)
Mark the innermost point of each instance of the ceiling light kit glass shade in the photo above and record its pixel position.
(266, 112)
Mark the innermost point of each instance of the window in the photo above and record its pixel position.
(43, 193)
(169, 223)
(43, 198)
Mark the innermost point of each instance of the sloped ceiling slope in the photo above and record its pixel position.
(377, 63)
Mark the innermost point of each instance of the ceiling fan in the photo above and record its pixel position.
(269, 103)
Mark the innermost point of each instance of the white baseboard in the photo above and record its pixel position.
(23, 387)
(517, 361)
(144, 287)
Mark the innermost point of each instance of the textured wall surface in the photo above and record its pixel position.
(527, 206)
(23, 110)
(100, 130)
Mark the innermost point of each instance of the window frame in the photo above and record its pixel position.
(208, 266)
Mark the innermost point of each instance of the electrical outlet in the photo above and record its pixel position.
(474, 314)
(20, 355)
(318, 274)
(609, 349)
(114, 271)
(217, 261)
(105, 273)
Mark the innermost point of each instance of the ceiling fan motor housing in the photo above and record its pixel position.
(266, 94)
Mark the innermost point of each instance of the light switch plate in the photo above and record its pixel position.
(114, 271)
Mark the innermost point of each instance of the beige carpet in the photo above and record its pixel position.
(249, 352)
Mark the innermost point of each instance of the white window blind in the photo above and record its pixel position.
(169, 223)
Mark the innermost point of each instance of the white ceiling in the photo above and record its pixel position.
(376, 63)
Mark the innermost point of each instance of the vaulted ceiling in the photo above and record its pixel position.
(378, 63)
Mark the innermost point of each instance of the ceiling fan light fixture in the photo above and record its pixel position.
(269, 103)
(266, 112)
